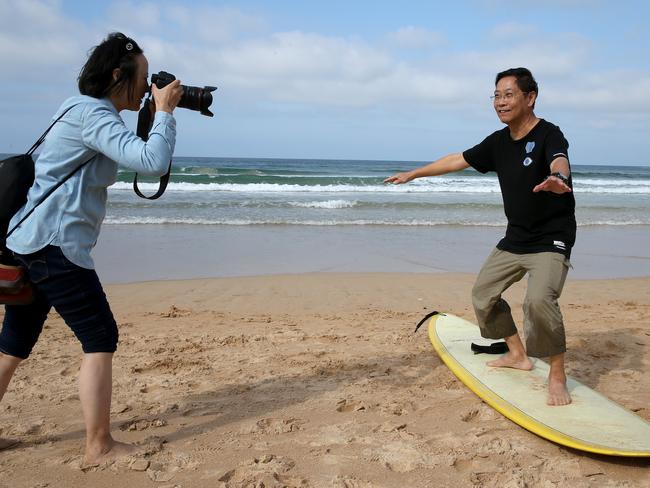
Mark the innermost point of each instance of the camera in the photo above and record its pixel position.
(193, 98)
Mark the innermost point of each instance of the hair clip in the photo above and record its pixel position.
(129, 46)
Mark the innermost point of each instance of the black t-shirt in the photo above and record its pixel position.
(537, 222)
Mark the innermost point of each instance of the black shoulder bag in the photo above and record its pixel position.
(16, 178)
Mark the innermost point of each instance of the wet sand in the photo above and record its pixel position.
(131, 253)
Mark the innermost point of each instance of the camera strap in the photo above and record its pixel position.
(145, 121)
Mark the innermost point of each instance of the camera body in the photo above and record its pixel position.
(193, 98)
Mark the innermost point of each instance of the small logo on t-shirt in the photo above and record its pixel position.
(530, 146)
(528, 161)
(559, 245)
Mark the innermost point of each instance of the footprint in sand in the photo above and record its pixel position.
(400, 456)
(268, 471)
(142, 424)
(470, 415)
(350, 406)
(274, 426)
(175, 312)
(345, 482)
(29, 428)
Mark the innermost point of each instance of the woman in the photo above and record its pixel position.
(54, 243)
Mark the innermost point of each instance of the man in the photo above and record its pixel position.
(530, 158)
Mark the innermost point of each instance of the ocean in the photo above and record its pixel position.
(311, 192)
(224, 217)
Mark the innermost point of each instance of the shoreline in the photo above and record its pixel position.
(137, 253)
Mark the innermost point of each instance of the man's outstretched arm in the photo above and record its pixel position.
(447, 164)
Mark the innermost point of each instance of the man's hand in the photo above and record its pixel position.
(552, 184)
(400, 178)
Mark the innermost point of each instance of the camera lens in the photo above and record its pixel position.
(195, 98)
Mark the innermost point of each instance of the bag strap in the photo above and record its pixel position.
(49, 192)
(54, 188)
(40, 140)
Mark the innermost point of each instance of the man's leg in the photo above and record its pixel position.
(544, 327)
(516, 356)
(558, 393)
(8, 365)
(501, 270)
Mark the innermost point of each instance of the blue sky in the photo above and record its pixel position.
(348, 80)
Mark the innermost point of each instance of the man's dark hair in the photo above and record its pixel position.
(116, 51)
(525, 80)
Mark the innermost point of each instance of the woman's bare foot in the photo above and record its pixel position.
(558, 394)
(8, 443)
(509, 360)
(95, 457)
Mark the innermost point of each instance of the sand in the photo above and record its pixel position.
(314, 380)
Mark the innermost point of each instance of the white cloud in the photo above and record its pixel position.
(513, 31)
(255, 66)
(127, 17)
(416, 38)
(175, 22)
(36, 40)
(620, 92)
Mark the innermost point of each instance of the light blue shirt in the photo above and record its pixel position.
(71, 217)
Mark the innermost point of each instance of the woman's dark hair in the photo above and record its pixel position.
(525, 80)
(116, 51)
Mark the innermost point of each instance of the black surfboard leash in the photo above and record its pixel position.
(494, 348)
(425, 318)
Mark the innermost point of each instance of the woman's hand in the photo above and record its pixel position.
(400, 178)
(168, 97)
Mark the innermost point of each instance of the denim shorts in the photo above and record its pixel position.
(74, 292)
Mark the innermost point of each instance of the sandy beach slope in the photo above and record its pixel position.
(314, 380)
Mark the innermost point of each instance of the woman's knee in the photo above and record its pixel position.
(103, 338)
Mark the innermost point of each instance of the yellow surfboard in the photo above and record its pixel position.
(590, 423)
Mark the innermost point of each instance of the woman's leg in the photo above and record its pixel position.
(8, 365)
(78, 297)
(21, 327)
(95, 390)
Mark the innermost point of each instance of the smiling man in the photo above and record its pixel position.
(530, 158)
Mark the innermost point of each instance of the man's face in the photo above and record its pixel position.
(510, 103)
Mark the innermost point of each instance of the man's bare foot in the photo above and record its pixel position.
(8, 443)
(509, 360)
(558, 394)
(115, 451)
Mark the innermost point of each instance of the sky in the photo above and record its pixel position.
(373, 80)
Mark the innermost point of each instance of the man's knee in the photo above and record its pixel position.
(480, 298)
(541, 305)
